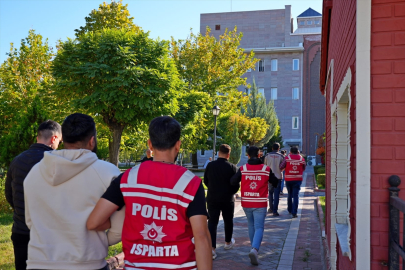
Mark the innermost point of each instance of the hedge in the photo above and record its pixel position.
(320, 180)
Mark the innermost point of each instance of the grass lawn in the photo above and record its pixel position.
(322, 201)
(6, 246)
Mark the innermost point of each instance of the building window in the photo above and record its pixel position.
(261, 91)
(302, 22)
(317, 21)
(217, 27)
(295, 93)
(202, 153)
(261, 66)
(309, 22)
(273, 64)
(296, 64)
(273, 93)
(295, 122)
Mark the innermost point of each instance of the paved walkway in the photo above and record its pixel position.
(287, 243)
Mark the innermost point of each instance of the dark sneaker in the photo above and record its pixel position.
(253, 257)
(295, 216)
(276, 214)
(270, 210)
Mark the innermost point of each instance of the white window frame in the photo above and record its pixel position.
(272, 95)
(201, 153)
(298, 93)
(302, 22)
(258, 64)
(298, 122)
(317, 21)
(298, 65)
(274, 64)
(309, 22)
(260, 90)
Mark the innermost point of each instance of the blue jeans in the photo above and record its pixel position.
(293, 188)
(274, 196)
(255, 217)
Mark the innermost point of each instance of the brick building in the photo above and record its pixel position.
(363, 78)
(288, 70)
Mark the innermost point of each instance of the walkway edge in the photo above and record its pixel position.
(327, 264)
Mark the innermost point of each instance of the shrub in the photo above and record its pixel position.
(320, 180)
(321, 170)
(316, 167)
(4, 205)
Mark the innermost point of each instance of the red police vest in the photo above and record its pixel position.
(254, 185)
(157, 232)
(294, 168)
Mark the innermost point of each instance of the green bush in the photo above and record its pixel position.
(320, 180)
(321, 170)
(4, 205)
(317, 167)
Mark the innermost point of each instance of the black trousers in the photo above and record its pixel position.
(20, 243)
(214, 210)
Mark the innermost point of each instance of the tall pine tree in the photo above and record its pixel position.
(257, 107)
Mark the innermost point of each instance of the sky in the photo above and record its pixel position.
(57, 19)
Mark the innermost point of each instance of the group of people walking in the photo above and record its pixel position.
(69, 206)
(260, 179)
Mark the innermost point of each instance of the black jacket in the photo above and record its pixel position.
(217, 178)
(235, 180)
(19, 168)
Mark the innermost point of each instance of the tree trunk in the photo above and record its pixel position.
(194, 160)
(114, 146)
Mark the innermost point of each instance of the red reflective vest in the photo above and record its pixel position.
(157, 232)
(294, 167)
(254, 185)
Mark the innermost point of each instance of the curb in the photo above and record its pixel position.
(325, 246)
(316, 186)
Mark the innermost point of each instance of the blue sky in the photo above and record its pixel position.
(57, 19)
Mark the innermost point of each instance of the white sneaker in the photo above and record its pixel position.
(230, 245)
(214, 255)
(253, 257)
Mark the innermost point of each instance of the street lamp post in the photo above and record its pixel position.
(215, 112)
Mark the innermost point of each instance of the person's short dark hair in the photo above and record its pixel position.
(276, 146)
(164, 132)
(294, 150)
(224, 149)
(78, 127)
(253, 151)
(48, 128)
(282, 152)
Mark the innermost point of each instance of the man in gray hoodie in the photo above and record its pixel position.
(60, 193)
(273, 160)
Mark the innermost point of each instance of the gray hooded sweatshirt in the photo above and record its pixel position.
(60, 193)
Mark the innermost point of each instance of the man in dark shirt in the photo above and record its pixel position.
(49, 137)
(220, 196)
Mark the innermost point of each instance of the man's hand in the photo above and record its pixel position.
(202, 240)
(99, 219)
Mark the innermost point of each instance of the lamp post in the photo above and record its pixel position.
(215, 112)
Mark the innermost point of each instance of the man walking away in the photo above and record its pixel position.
(165, 223)
(148, 156)
(220, 196)
(206, 162)
(294, 165)
(283, 152)
(48, 139)
(273, 160)
(60, 193)
(254, 187)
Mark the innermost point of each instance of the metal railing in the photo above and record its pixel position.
(396, 205)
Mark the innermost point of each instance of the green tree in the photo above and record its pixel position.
(213, 67)
(257, 107)
(277, 138)
(236, 145)
(122, 75)
(114, 15)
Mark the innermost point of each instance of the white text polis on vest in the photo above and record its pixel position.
(148, 211)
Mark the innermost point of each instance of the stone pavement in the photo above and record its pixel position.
(287, 243)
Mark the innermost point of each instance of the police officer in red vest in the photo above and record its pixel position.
(165, 223)
(254, 177)
(294, 165)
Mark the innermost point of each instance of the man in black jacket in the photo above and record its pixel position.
(49, 137)
(220, 197)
